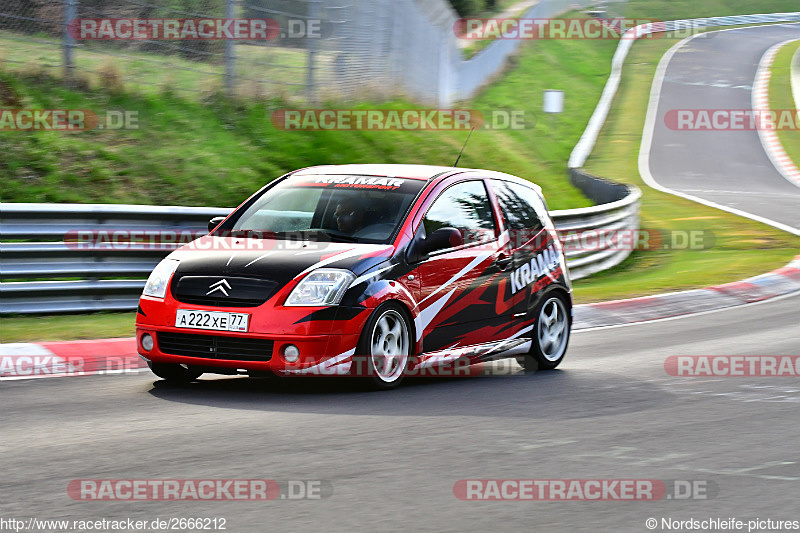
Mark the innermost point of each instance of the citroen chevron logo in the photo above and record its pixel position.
(219, 286)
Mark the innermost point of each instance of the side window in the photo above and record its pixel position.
(518, 204)
(466, 207)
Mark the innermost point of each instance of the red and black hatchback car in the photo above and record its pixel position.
(376, 271)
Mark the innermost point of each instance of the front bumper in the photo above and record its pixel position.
(319, 354)
(325, 337)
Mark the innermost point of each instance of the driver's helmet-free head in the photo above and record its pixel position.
(349, 215)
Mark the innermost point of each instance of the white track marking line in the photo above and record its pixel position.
(647, 142)
(16, 349)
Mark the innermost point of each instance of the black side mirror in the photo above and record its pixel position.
(440, 239)
(214, 222)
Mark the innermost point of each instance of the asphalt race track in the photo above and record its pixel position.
(729, 168)
(392, 458)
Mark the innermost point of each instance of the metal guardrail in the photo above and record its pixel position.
(56, 277)
(53, 276)
(620, 216)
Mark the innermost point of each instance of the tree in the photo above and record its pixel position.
(467, 8)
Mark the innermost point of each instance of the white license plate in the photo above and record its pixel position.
(216, 320)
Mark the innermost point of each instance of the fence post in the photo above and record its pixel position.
(230, 58)
(312, 45)
(69, 42)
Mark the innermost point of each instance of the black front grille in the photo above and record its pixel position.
(215, 346)
(241, 292)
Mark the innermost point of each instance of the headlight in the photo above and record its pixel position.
(156, 285)
(324, 286)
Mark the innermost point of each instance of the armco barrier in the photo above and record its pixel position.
(56, 278)
(50, 276)
(617, 210)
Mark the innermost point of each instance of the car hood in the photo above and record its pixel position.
(276, 260)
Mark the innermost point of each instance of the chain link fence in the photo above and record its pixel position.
(37, 35)
(322, 50)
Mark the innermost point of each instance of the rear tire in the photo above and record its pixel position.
(550, 335)
(174, 373)
(384, 348)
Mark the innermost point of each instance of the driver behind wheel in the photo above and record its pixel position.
(349, 215)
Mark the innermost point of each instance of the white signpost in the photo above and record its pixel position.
(553, 105)
(553, 101)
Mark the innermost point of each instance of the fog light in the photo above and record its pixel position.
(147, 342)
(291, 353)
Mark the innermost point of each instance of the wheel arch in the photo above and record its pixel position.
(409, 316)
(553, 289)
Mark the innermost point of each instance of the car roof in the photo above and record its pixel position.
(420, 172)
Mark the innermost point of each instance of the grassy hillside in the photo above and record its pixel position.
(202, 149)
(214, 151)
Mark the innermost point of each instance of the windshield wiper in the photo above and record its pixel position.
(322, 234)
(252, 233)
(332, 234)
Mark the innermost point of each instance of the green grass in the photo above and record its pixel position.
(780, 97)
(479, 45)
(580, 68)
(67, 327)
(272, 71)
(743, 247)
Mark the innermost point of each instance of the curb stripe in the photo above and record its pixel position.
(769, 137)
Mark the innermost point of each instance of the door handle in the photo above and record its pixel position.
(503, 261)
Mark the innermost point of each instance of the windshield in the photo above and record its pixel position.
(365, 209)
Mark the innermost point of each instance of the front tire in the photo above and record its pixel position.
(174, 373)
(551, 336)
(384, 348)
